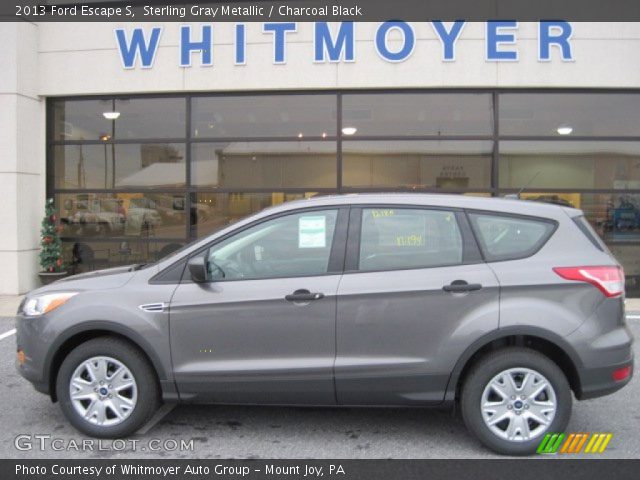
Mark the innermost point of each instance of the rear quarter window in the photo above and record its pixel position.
(509, 237)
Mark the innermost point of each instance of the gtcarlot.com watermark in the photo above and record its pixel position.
(45, 442)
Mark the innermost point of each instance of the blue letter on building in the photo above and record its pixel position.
(340, 48)
(495, 38)
(279, 31)
(448, 38)
(187, 46)
(381, 41)
(241, 44)
(138, 45)
(561, 38)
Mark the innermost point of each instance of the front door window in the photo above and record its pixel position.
(296, 245)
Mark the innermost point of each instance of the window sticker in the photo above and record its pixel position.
(412, 232)
(382, 213)
(312, 232)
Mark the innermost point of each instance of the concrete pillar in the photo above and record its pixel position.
(22, 157)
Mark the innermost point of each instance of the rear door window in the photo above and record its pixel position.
(507, 237)
(403, 238)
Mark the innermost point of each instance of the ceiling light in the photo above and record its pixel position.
(111, 115)
(349, 130)
(565, 130)
(300, 135)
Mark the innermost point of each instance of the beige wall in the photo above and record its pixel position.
(84, 59)
(22, 157)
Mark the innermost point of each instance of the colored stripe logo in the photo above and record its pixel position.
(553, 443)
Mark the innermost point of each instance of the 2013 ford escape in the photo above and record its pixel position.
(502, 306)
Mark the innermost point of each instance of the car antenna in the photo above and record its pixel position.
(517, 195)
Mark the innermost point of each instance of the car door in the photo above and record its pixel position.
(414, 295)
(261, 329)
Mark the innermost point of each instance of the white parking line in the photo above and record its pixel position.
(633, 317)
(7, 334)
(159, 415)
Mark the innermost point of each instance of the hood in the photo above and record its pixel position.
(97, 273)
(98, 279)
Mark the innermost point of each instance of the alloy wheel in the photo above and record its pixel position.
(103, 391)
(518, 404)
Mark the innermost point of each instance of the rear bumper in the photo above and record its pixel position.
(597, 382)
(603, 345)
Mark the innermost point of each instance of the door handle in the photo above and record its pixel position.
(459, 286)
(303, 296)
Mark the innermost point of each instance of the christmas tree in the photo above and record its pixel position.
(51, 245)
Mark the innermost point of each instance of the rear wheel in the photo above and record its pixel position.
(107, 388)
(512, 397)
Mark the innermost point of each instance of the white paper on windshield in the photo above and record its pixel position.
(312, 232)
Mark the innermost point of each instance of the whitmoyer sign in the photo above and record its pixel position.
(393, 42)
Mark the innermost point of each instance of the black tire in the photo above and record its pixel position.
(485, 370)
(148, 392)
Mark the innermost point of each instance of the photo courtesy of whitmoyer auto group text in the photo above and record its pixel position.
(295, 239)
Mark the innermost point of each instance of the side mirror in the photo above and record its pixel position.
(197, 269)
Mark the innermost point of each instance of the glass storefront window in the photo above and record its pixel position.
(119, 165)
(81, 119)
(264, 164)
(100, 215)
(150, 165)
(150, 118)
(87, 255)
(433, 114)
(576, 114)
(570, 164)
(294, 116)
(442, 165)
(108, 119)
(212, 211)
(83, 166)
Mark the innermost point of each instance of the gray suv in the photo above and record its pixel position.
(503, 307)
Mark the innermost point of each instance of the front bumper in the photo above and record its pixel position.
(32, 339)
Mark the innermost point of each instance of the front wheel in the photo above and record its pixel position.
(512, 397)
(107, 388)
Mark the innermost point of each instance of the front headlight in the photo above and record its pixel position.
(42, 304)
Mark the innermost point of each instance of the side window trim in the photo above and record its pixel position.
(471, 253)
(352, 259)
(339, 243)
(172, 275)
(529, 253)
(581, 223)
(336, 256)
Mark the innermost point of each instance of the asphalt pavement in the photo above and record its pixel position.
(33, 427)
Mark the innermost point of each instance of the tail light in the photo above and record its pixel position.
(621, 373)
(609, 280)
